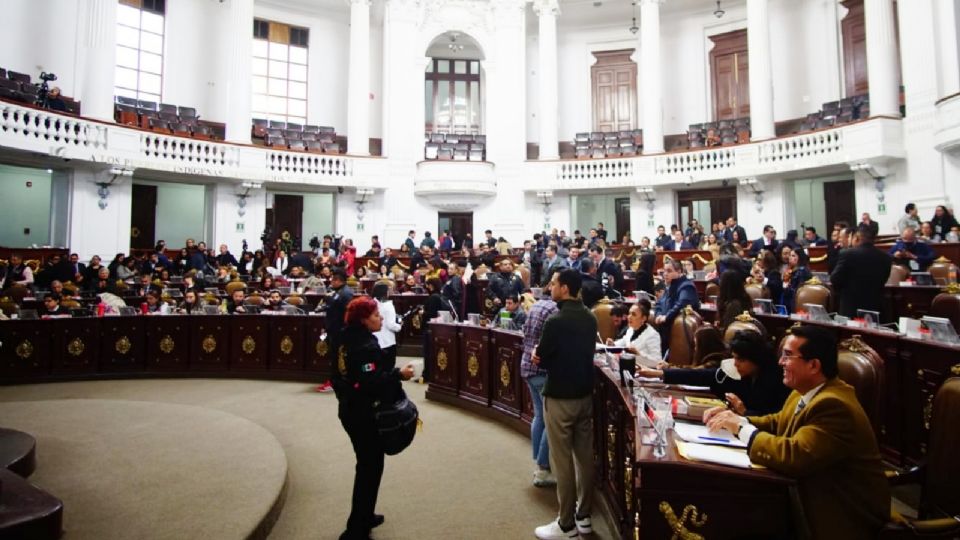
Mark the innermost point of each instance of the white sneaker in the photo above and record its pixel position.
(554, 532)
(584, 526)
(544, 478)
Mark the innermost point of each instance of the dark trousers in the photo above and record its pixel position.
(426, 354)
(389, 357)
(368, 471)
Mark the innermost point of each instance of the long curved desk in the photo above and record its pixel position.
(478, 369)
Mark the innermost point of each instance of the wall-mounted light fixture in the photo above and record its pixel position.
(633, 27)
(648, 195)
(103, 188)
(719, 12)
(545, 198)
(362, 197)
(879, 176)
(754, 186)
(243, 191)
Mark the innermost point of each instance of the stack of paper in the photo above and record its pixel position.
(700, 434)
(713, 454)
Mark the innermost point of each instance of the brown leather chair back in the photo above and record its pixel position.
(295, 300)
(744, 321)
(814, 292)
(18, 293)
(757, 291)
(947, 305)
(234, 286)
(254, 300)
(940, 494)
(605, 324)
(524, 276)
(941, 267)
(682, 342)
(709, 348)
(712, 290)
(897, 274)
(862, 368)
(8, 307)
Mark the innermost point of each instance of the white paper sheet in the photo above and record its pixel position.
(714, 454)
(699, 433)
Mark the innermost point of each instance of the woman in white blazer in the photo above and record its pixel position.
(640, 339)
(387, 336)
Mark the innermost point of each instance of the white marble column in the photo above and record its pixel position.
(651, 77)
(547, 11)
(948, 53)
(238, 90)
(882, 61)
(358, 85)
(98, 56)
(761, 70)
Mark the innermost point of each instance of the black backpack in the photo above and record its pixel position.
(397, 423)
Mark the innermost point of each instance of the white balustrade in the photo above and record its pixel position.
(309, 164)
(187, 151)
(49, 127)
(601, 169)
(695, 162)
(807, 146)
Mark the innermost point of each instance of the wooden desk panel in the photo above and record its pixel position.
(168, 343)
(249, 343)
(78, 341)
(286, 343)
(27, 349)
(475, 375)
(926, 366)
(507, 349)
(210, 342)
(444, 358)
(123, 344)
(317, 354)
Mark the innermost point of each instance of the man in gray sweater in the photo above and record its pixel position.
(566, 351)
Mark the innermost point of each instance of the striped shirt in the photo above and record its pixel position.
(532, 328)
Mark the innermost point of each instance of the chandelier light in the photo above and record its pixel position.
(719, 12)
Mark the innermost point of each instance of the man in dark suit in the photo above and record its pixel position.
(733, 226)
(866, 222)
(601, 232)
(607, 269)
(551, 263)
(677, 243)
(859, 277)
(225, 258)
(812, 238)
(77, 269)
(662, 237)
(911, 253)
(768, 241)
(301, 259)
(409, 242)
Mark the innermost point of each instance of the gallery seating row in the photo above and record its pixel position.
(163, 118)
(835, 113)
(605, 144)
(15, 86)
(454, 147)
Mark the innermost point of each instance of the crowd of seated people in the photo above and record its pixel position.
(162, 118)
(309, 138)
(16, 86)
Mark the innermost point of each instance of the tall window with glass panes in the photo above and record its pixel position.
(280, 72)
(139, 72)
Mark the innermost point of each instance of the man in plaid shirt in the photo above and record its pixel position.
(536, 377)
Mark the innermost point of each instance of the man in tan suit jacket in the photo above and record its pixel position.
(821, 437)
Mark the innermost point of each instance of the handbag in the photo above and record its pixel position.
(397, 424)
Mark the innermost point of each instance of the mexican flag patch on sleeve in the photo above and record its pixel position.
(367, 368)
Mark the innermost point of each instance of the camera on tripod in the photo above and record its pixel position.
(43, 94)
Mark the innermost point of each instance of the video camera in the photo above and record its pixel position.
(43, 93)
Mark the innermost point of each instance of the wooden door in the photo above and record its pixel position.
(143, 217)
(622, 209)
(840, 202)
(722, 201)
(287, 216)
(854, 32)
(459, 223)
(730, 73)
(614, 79)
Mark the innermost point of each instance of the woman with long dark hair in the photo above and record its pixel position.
(767, 272)
(732, 299)
(795, 276)
(362, 381)
(645, 272)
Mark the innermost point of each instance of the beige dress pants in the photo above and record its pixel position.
(569, 424)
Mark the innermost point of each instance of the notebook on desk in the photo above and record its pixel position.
(714, 454)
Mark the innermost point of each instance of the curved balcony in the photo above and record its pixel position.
(455, 185)
(947, 136)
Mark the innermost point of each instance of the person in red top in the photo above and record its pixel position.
(349, 256)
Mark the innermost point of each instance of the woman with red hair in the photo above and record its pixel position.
(362, 381)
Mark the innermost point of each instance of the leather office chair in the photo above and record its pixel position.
(524, 276)
(814, 292)
(744, 321)
(712, 289)
(757, 291)
(254, 300)
(8, 306)
(605, 326)
(947, 305)
(941, 268)
(234, 286)
(862, 368)
(897, 274)
(682, 343)
(295, 300)
(938, 477)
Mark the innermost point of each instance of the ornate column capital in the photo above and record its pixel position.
(546, 7)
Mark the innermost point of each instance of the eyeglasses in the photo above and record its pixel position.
(792, 356)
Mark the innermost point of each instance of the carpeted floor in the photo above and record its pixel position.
(464, 478)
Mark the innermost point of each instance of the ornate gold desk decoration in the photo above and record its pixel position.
(504, 373)
(473, 365)
(25, 349)
(442, 359)
(76, 347)
(209, 344)
(286, 345)
(123, 345)
(167, 344)
(248, 345)
(679, 526)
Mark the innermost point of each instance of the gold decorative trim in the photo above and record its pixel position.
(700, 258)
(209, 344)
(813, 281)
(955, 370)
(504, 373)
(855, 344)
(952, 288)
(167, 344)
(744, 317)
(417, 320)
(248, 345)
(25, 349)
(342, 360)
(818, 259)
(473, 365)
(611, 446)
(321, 347)
(942, 259)
(679, 526)
(76, 347)
(628, 484)
(928, 412)
(123, 345)
(286, 345)
(442, 359)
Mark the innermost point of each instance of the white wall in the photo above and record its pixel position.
(193, 74)
(40, 35)
(588, 210)
(96, 231)
(318, 215)
(181, 212)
